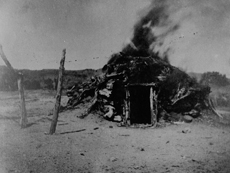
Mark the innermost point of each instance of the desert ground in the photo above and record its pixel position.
(95, 145)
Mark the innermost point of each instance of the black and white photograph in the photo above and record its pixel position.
(114, 86)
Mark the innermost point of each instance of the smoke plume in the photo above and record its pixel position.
(152, 28)
(189, 32)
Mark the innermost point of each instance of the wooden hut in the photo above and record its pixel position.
(143, 87)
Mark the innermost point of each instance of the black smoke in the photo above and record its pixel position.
(145, 39)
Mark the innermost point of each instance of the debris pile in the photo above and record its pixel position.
(135, 89)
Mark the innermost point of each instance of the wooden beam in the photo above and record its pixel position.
(143, 84)
(127, 108)
(91, 107)
(7, 62)
(58, 95)
(23, 121)
(153, 108)
(212, 108)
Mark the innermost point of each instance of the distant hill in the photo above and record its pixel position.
(47, 78)
(44, 79)
(199, 75)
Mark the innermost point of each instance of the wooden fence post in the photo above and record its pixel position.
(126, 120)
(23, 121)
(58, 95)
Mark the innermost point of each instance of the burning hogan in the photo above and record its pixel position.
(138, 85)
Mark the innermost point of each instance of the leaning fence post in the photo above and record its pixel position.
(23, 120)
(58, 95)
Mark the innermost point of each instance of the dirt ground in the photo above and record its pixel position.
(94, 145)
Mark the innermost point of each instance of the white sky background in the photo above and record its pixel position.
(34, 32)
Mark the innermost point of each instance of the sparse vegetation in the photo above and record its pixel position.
(214, 78)
(220, 85)
(43, 79)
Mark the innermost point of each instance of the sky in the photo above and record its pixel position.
(33, 33)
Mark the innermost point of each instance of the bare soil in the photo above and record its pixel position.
(95, 145)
